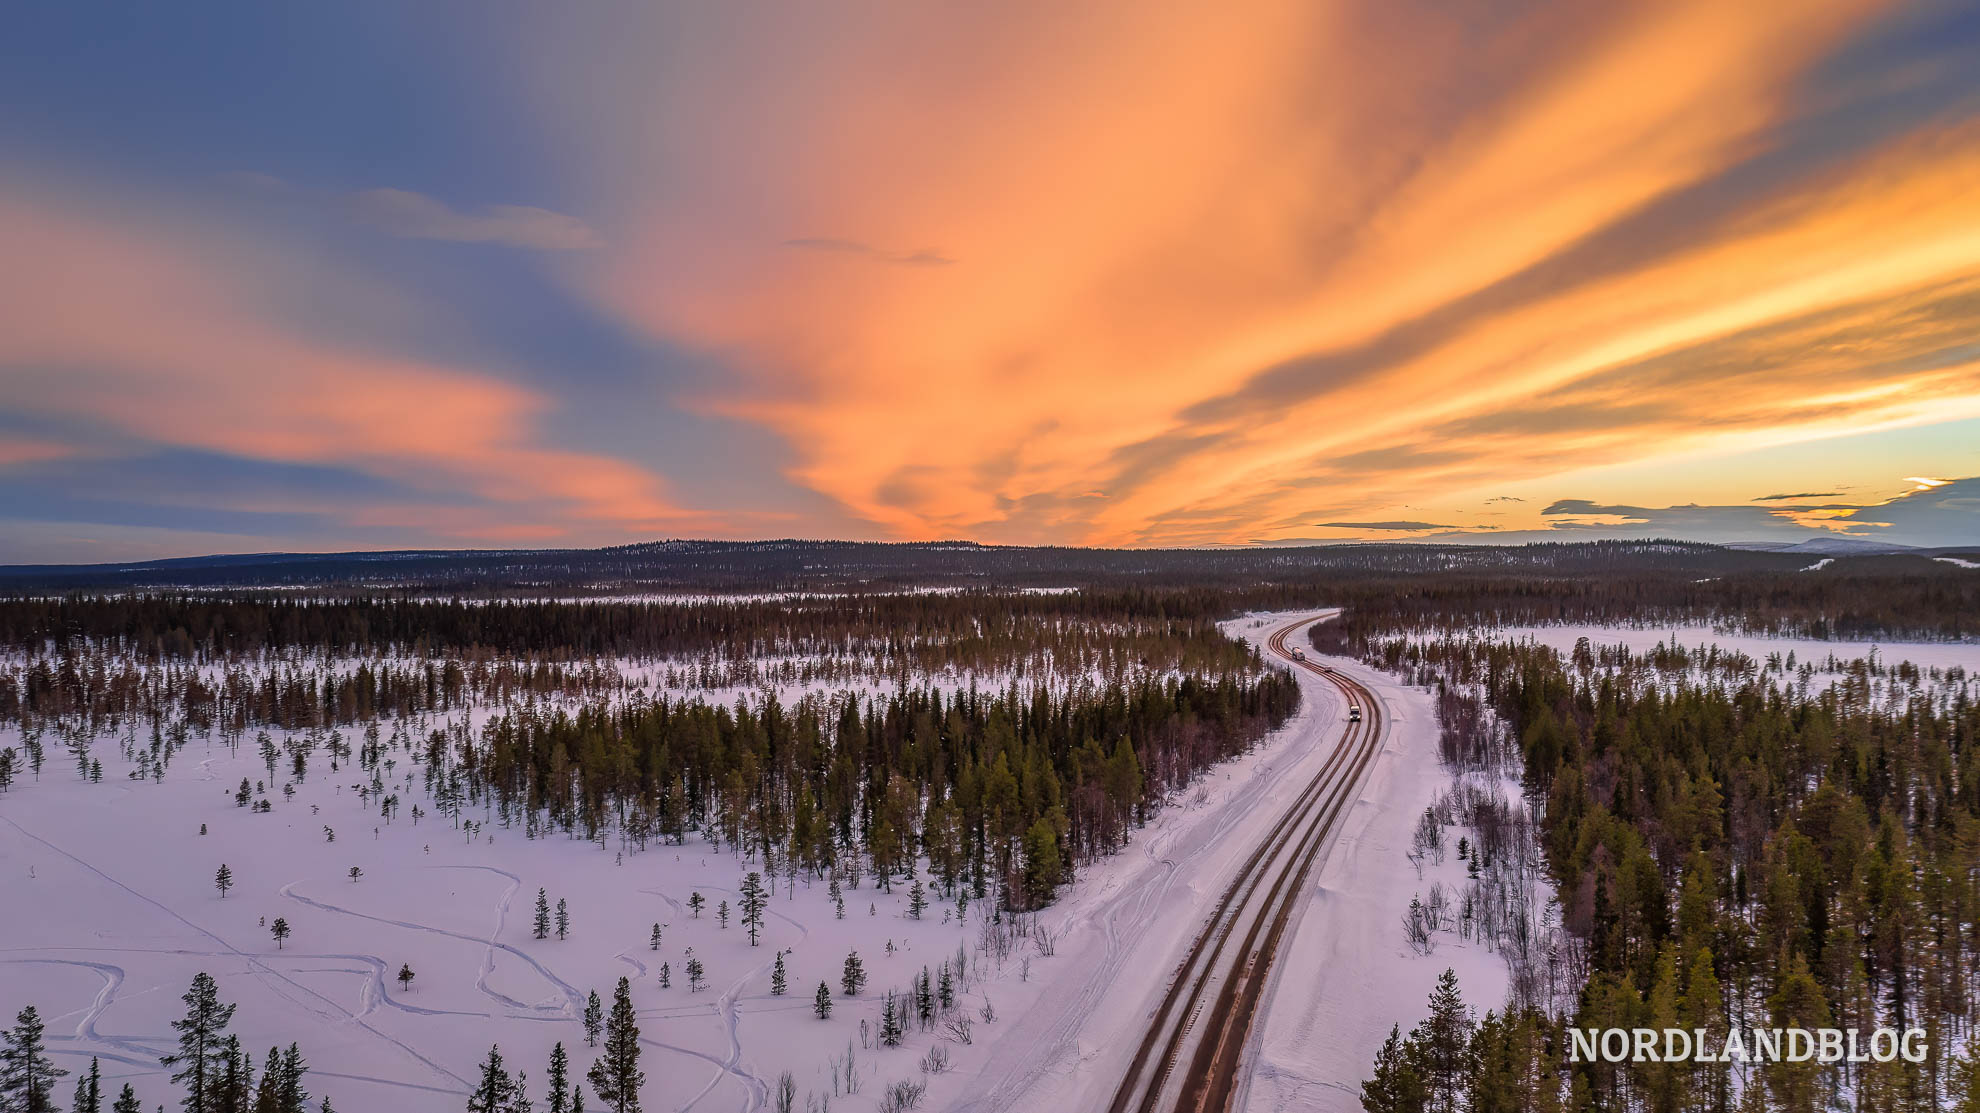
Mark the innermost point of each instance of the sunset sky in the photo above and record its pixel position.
(334, 276)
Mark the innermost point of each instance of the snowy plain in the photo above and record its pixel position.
(114, 909)
(111, 910)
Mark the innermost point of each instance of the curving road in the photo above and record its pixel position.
(1189, 1059)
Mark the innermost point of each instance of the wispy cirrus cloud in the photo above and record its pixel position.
(1202, 276)
(164, 330)
(1389, 526)
(402, 212)
(919, 257)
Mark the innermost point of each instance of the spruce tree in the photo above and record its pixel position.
(289, 1093)
(924, 998)
(653, 942)
(406, 976)
(695, 972)
(695, 901)
(945, 988)
(495, 1090)
(917, 900)
(27, 1077)
(778, 984)
(1445, 1036)
(89, 1089)
(542, 922)
(616, 1077)
(563, 919)
(201, 1057)
(268, 1098)
(853, 977)
(560, 1076)
(236, 1078)
(890, 1022)
(594, 1019)
(1397, 1085)
(821, 1002)
(722, 914)
(127, 1101)
(666, 976)
(280, 930)
(223, 880)
(753, 900)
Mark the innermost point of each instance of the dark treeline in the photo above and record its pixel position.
(745, 566)
(1728, 853)
(183, 625)
(999, 792)
(1858, 598)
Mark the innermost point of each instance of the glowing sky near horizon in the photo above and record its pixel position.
(368, 276)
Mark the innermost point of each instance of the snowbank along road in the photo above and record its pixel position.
(1190, 1057)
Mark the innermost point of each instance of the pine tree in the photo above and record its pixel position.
(753, 900)
(280, 930)
(653, 943)
(563, 919)
(223, 880)
(127, 1101)
(777, 979)
(924, 998)
(27, 1077)
(560, 1070)
(577, 1098)
(945, 988)
(722, 914)
(695, 901)
(542, 923)
(695, 972)
(821, 1002)
(666, 976)
(917, 900)
(202, 1044)
(853, 977)
(616, 1077)
(594, 1019)
(1397, 1084)
(496, 1089)
(89, 1089)
(1445, 1036)
(406, 976)
(838, 896)
(355, 874)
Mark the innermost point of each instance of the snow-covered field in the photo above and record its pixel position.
(112, 909)
(1925, 655)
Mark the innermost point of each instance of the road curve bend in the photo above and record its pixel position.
(1189, 1059)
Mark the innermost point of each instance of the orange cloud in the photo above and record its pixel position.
(1194, 258)
(171, 332)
